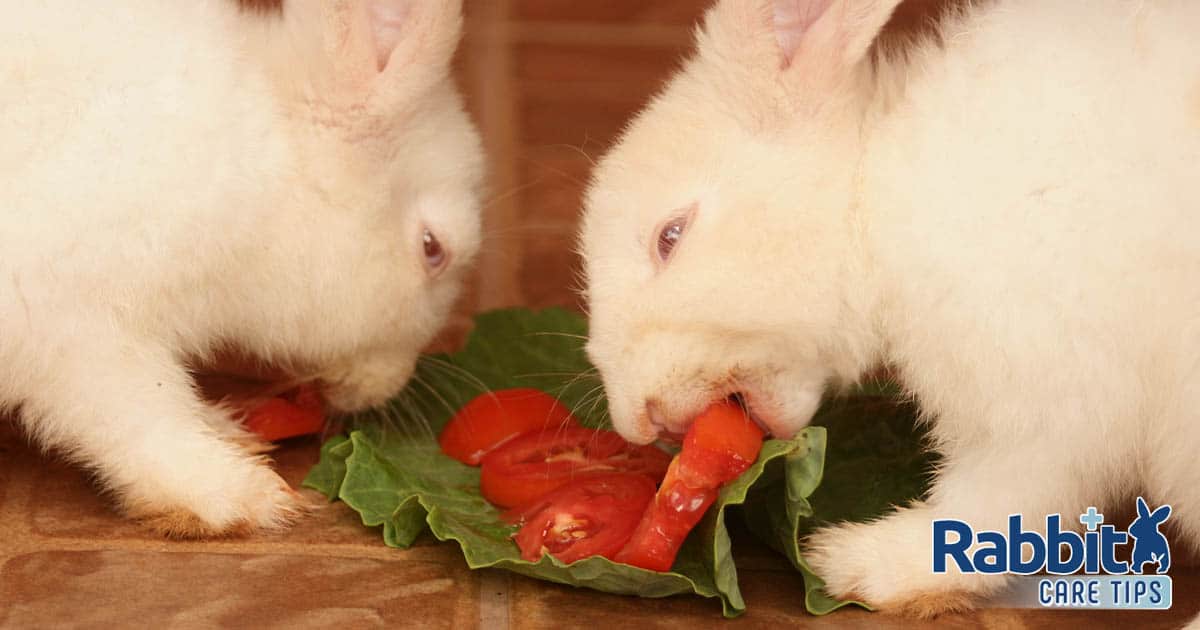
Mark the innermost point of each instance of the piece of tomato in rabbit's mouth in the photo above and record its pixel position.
(740, 399)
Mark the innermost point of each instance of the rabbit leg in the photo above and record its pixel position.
(130, 412)
(889, 563)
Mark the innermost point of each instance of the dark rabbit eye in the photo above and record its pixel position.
(670, 236)
(435, 254)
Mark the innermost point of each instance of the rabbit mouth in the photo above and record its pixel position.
(779, 412)
(757, 410)
(740, 399)
(777, 406)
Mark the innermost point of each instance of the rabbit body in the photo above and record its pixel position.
(1023, 206)
(1002, 213)
(183, 177)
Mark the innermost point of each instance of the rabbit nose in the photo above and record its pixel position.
(658, 422)
(654, 415)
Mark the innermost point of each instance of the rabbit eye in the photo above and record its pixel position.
(669, 236)
(435, 254)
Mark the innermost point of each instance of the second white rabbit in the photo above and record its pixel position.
(1005, 213)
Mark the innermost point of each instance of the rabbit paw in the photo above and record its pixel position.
(888, 564)
(236, 503)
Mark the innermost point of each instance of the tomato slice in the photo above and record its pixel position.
(534, 464)
(492, 419)
(591, 516)
(721, 444)
(294, 413)
(666, 522)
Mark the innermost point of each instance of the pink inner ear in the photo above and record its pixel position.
(387, 26)
(793, 18)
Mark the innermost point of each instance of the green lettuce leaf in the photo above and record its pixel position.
(391, 471)
(866, 457)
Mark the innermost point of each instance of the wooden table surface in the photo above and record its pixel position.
(66, 560)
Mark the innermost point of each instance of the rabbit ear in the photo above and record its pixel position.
(838, 31)
(793, 19)
(1161, 514)
(1143, 510)
(822, 37)
(414, 31)
(367, 44)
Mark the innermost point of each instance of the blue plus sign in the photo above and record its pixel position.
(1092, 519)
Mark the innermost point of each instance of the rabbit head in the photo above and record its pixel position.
(385, 187)
(719, 235)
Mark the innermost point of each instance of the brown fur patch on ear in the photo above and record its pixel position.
(270, 7)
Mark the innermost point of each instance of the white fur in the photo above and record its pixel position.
(1007, 219)
(178, 177)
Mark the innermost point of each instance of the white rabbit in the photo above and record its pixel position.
(178, 177)
(1006, 214)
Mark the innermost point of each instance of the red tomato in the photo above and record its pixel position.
(719, 446)
(298, 412)
(534, 464)
(591, 516)
(666, 522)
(492, 419)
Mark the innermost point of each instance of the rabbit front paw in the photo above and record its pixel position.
(248, 499)
(888, 564)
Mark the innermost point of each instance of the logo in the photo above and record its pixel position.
(1149, 545)
(1093, 575)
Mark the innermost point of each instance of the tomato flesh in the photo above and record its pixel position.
(534, 464)
(666, 522)
(591, 516)
(578, 492)
(494, 418)
(720, 445)
(297, 412)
